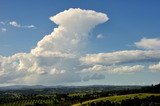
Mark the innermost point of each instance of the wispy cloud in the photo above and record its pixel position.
(114, 69)
(29, 26)
(15, 24)
(100, 36)
(3, 29)
(1, 22)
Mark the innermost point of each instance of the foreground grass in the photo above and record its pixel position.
(118, 98)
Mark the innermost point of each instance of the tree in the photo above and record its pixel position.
(93, 104)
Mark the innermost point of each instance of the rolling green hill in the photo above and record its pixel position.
(118, 98)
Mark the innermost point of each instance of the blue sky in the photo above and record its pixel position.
(129, 22)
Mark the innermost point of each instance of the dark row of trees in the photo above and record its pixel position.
(146, 89)
(149, 101)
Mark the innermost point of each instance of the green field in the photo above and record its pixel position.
(27, 102)
(118, 98)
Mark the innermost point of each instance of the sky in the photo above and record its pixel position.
(79, 42)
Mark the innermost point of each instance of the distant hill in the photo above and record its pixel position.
(16, 87)
(66, 89)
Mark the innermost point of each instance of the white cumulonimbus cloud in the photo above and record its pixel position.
(149, 43)
(56, 57)
(73, 29)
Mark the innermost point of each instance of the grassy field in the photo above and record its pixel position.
(118, 98)
(26, 102)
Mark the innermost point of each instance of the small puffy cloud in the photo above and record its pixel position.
(15, 24)
(118, 57)
(56, 71)
(95, 76)
(155, 67)
(114, 69)
(100, 36)
(3, 29)
(146, 43)
(1, 22)
(95, 68)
